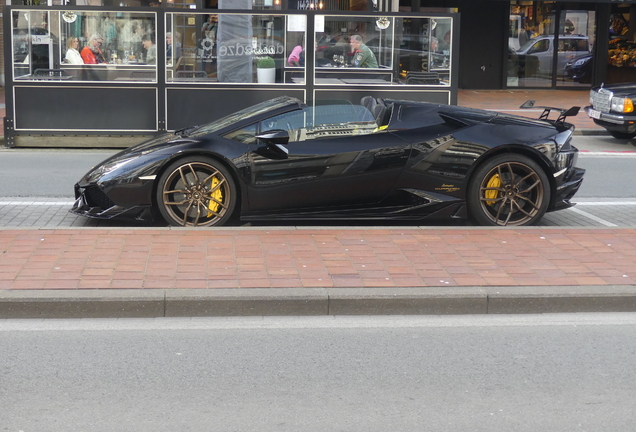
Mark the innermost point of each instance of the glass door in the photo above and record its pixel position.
(544, 55)
(530, 44)
(575, 57)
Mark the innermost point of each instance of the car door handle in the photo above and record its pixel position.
(388, 153)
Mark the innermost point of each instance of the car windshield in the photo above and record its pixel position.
(526, 46)
(243, 114)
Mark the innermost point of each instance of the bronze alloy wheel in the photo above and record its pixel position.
(512, 190)
(196, 192)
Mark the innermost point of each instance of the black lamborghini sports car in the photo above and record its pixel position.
(382, 159)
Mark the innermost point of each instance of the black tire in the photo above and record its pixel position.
(623, 135)
(508, 190)
(196, 191)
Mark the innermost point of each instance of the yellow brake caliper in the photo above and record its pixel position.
(494, 182)
(217, 195)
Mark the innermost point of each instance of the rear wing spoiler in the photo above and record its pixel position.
(563, 113)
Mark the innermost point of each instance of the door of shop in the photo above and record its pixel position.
(544, 55)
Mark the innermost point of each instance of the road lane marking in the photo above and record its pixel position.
(622, 154)
(319, 322)
(606, 203)
(37, 203)
(591, 216)
(70, 203)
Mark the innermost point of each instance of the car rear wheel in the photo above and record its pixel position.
(508, 190)
(196, 191)
(623, 135)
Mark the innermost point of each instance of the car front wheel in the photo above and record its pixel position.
(196, 191)
(508, 190)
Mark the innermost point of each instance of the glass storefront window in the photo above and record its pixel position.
(542, 54)
(383, 50)
(228, 48)
(231, 48)
(84, 46)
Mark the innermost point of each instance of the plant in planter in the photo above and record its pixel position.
(266, 70)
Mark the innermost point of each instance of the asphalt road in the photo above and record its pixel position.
(558, 373)
(46, 173)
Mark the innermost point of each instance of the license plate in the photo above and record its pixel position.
(594, 114)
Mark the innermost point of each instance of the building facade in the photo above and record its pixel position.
(154, 67)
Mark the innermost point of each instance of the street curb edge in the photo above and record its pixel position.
(154, 303)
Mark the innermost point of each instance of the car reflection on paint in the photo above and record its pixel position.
(579, 69)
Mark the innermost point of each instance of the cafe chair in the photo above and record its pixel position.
(143, 74)
(422, 78)
(191, 74)
(50, 74)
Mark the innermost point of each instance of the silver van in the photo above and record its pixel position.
(542, 47)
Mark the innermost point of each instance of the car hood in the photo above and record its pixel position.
(621, 89)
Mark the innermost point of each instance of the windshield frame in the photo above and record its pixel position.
(249, 114)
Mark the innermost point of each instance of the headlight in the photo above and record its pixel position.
(623, 105)
(580, 62)
(112, 166)
(591, 97)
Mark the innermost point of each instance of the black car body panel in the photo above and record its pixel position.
(418, 165)
(579, 69)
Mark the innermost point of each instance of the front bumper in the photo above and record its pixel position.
(612, 122)
(91, 202)
(567, 189)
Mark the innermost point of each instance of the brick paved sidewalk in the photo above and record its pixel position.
(509, 101)
(312, 257)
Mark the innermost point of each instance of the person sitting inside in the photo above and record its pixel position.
(151, 48)
(362, 55)
(72, 54)
(92, 52)
(295, 58)
(172, 48)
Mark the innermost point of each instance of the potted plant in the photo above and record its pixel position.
(266, 70)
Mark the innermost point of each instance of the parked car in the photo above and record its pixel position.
(542, 47)
(612, 107)
(579, 69)
(380, 160)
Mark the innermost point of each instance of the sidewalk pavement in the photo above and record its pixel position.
(157, 272)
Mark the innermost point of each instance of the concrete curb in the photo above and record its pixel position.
(591, 132)
(152, 303)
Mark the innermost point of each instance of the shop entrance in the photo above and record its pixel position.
(550, 45)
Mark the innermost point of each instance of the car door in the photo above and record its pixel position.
(342, 163)
(542, 50)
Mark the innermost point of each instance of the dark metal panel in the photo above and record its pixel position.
(415, 94)
(195, 106)
(599, 73)
(484, 43)
(85, 109)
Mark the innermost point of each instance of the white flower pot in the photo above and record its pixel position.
(266, 75)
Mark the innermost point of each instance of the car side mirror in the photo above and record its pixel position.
(275, 139)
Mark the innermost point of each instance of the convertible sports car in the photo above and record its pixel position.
(382, 159)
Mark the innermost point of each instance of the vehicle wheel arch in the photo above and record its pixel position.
(524, 189)
(210, 155)
(521, 150)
